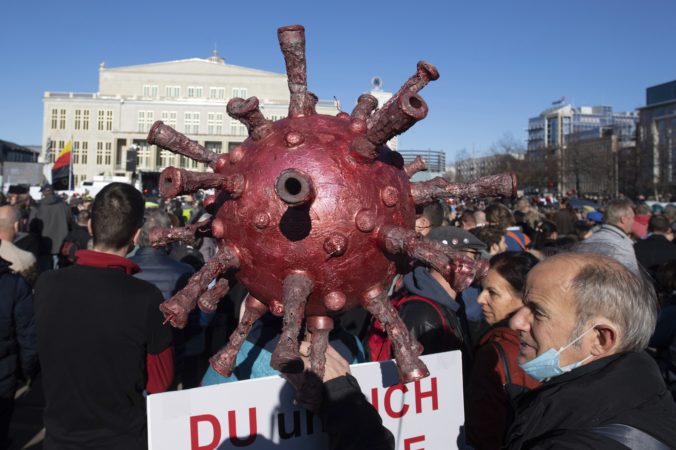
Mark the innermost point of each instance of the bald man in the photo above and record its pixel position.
(21, 261)
(585, 325)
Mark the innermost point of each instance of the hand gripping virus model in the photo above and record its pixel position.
(314, 215)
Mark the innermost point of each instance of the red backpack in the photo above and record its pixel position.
(378, 342)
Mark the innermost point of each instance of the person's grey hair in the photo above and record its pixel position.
(605, 287)
(617, 209)
(8, 219)
(153, 218)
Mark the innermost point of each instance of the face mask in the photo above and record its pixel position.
(547, 364)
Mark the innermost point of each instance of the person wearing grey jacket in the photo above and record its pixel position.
(612, 238)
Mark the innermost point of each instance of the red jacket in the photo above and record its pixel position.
(486, 402)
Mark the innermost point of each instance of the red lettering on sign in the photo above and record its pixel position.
(388, 402)
(414, 440)
(253, 429)
(194, 432)
(374, 398)
(420, 395)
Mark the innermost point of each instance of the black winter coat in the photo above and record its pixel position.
(17, 330)
(626, 388)
(350, 420)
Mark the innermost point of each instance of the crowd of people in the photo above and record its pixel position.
(569, 341)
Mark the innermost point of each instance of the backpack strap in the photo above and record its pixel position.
(505, 365)
(400, 302)
(629, 436)
(516, 238)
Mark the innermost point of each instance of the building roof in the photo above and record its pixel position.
(6, 146)
(192, 65)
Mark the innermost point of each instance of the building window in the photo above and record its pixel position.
(214, 146)
(145, 121)
(239, 92)
(80, 150)
(99, 153)
(76, 152)
(192, 122)
(166, 158)
(215, 123)
(217, 93)
(85, 119)
(194, 91)
(150, 90)
(56, 148)
(78, 119)
(55, 118)
(108, 155)
(172, 91)
(62, 119)
(105, 120)
(144, 156)
(84, 152)
(237, 128)
(169, 118)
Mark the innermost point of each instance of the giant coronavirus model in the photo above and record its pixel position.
(314, 215)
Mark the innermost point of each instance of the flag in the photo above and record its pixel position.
(61, 175)
(48, 150)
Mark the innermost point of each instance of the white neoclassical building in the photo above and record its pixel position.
(190, 95)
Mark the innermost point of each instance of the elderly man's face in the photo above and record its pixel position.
(548, 318)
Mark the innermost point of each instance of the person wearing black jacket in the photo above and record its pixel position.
(586, 322)
(439, 323)
(350, 421)
(658, 248)
(17, 340)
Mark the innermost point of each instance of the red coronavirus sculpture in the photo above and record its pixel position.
(314, 215)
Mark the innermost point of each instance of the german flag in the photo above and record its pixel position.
(61, 169)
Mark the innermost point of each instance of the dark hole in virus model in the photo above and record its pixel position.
(293, 186)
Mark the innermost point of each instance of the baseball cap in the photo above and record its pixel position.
(456, 238)
(595, 216)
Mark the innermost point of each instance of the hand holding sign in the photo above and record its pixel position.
(308, 386)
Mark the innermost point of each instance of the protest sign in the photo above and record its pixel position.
(259, 414)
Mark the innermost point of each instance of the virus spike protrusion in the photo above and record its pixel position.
(406, 347)
(396, 117)
(209, 300)
(425, 73)
(425, 192)
(366, 103)
(161, 237)
(296, 290)
(295, 187)
(167, 138)
(319, 327)
(177, 308)
(247, 112)
(415, 166)
(292, 43)
(362, 150)
(311, 103)
(175, 182)
(456, 267)
(224, 361)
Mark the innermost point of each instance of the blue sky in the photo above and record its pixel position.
(501, 62)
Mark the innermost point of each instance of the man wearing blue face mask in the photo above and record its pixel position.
(584, 326)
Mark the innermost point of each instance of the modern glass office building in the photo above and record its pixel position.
(553, 126)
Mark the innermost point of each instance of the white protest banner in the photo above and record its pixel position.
(259, 414)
